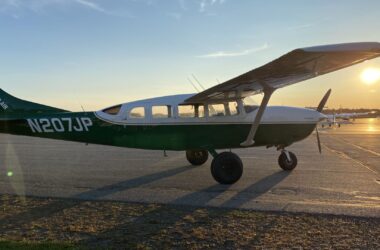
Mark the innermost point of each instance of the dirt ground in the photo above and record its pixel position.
(101, 224)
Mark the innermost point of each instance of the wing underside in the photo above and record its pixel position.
(293, 67)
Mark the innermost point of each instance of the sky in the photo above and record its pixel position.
(96, 53)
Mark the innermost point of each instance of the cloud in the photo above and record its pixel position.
(204, 4)
(91, 5)
(220, 54)
(13, 7)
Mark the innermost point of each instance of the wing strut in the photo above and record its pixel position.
(249, 141)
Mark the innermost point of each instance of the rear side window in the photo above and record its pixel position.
(114, 110)
(137, 112)
(161, 111)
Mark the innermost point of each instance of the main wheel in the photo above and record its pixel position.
(285, 164)
(197, 157)
(226, 168)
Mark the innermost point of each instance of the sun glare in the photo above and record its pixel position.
(370, 75)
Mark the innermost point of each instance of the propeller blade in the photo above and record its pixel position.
(319, 141)
(322, 103)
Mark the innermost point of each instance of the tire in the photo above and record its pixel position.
(285, 164)
(226, 168)
(196, 157)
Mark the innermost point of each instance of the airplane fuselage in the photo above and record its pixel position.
(280, 126)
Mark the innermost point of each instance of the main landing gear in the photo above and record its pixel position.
(227, 167)
(197, 157)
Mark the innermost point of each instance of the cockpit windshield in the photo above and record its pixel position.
(114, 110)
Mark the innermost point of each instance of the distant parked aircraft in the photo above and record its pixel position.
(342, 118)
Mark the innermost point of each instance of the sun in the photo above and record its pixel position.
(370, 76)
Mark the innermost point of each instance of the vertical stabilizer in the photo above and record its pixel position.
(11, 105)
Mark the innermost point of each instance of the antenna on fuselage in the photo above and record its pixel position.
(196, 89)
(199, 83)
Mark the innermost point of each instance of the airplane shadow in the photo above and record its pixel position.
(168, 217)
(57, 206)
(256, 189)
(163, 217)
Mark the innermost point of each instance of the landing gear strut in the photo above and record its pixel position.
(226, 168)
(287, 160)
(197, 157)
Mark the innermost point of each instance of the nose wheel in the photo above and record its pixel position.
(287, 160)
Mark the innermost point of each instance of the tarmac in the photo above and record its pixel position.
(344, 180)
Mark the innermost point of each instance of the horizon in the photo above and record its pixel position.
(97, 53)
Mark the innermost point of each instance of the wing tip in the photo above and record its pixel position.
(355, 46)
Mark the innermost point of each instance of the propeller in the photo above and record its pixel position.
(320, 107)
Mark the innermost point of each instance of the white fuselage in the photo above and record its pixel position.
(272, 114)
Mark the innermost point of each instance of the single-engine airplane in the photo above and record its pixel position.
(216, 118)
(337, 119)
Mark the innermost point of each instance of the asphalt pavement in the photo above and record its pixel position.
(343, 180)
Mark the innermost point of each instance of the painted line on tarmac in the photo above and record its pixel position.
(359, 147)
(346, 156)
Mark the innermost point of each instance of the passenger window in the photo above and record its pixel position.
(216, 110)
(186, 111)
(233, 108)
(114, 110)
(161, 111)
(137, 112)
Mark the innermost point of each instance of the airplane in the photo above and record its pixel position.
(217, 118)
(337, 119)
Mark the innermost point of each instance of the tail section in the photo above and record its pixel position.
(10, 105)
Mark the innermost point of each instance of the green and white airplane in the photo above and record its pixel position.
(217, 118)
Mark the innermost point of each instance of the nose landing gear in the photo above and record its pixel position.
(287, 160)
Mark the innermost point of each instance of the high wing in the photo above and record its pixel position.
(295, 66)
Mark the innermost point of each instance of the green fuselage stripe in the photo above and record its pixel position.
(86, 127)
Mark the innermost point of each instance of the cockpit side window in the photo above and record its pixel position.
(186, 111)
(199, 111)
(114, 110)
(137, 112)
(249, 105)
(216, 110)
(191, 111)
(233, 108)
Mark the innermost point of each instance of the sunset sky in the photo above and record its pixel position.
(96, 53)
